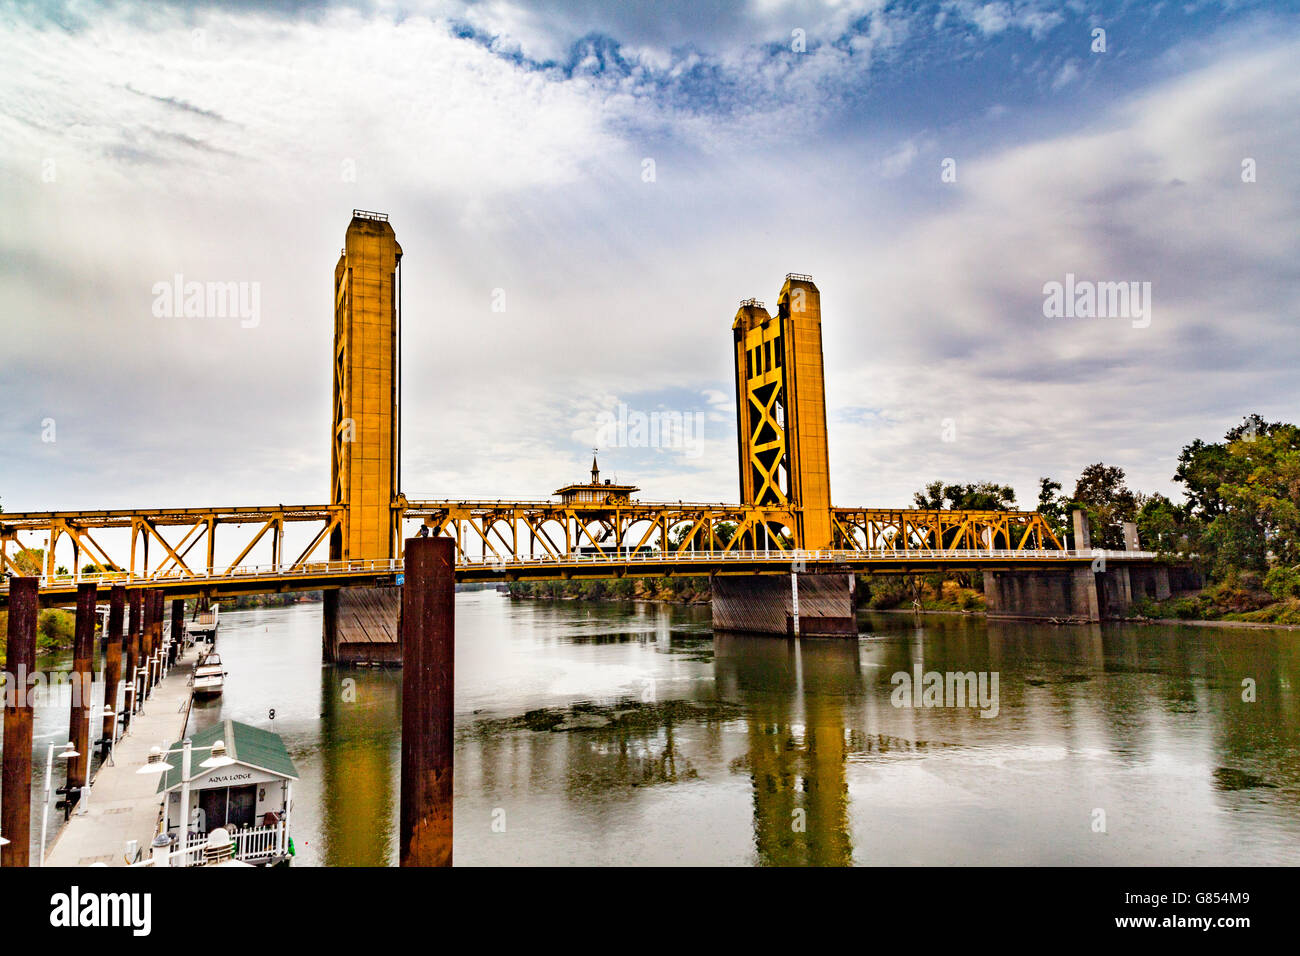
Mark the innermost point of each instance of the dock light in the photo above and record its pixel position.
(155, 764)
(219, 757)
(67, 753)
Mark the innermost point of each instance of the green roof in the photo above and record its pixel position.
(245, 744)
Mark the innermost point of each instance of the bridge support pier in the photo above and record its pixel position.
(1151, 582)
(361, 627)
(1069, 595)
(765, 604)
(1114, 591)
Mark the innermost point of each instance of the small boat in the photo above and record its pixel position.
(209, 675)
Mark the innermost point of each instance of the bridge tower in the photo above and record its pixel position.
(364, 449)
(784, 464)
(365, 455)
(781, 410)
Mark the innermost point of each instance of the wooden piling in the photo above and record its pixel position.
(178, 629)
(113, 659)
(428, 633)
(135, 597)
(83, 668)
(154, 601)
(16, 770)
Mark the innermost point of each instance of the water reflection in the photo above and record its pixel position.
(791, 692)
(630, 734)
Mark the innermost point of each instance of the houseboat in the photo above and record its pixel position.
(241, 781)
(204, 625)
(209, 675)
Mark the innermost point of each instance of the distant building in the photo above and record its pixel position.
(596, 491)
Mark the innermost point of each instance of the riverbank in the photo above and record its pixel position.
(691, 590)
(55, 630)
(1163, 622)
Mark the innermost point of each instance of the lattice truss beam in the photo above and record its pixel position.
(769, 456)
(183, 543)
(165, 543)
(523, 531)
(340, 460)
(510, 531)
(872, 529)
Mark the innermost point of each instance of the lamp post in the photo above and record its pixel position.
(67, 753)
(158, 765)
(110, 714)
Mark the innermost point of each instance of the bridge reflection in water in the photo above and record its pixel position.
(791, 692)
(630, 734)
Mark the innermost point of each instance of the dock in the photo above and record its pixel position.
(124, 805)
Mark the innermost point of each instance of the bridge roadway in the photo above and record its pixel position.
(515, 540)
(250, 579)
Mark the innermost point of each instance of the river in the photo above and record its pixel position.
(603, 733)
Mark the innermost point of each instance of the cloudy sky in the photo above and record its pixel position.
(510, 142)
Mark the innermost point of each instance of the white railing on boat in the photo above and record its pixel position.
(252, 845)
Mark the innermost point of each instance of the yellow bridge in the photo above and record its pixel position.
(174, 549)
(784, 522)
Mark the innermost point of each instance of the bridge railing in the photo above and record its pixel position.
(643, 556)
(624, 557)
(175, 575)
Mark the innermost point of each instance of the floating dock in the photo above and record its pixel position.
(124, 805)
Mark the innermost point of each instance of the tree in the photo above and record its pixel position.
(1053, 507)
(1244, 496)
(1161, 523)
(31, 562)
(1103, 494)
(980, 496)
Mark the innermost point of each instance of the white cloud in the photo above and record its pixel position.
(226, 163)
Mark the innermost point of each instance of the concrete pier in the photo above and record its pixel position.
(1043, 595)
(124, 805)
(360, 626)
(766, 604)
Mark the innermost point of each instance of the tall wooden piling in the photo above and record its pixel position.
(113, 659)
(178, 629)
(153, 618)
(83, 668)
(135, 597)
(428, 629)
(16, 770)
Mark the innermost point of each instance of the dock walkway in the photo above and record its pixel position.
(123, 804)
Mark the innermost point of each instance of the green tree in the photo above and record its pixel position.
(1103, 494)
(54, 629)
(1161, 523)
(1052, 506)
(31, 563)
(979, 496)
(1243, 497)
